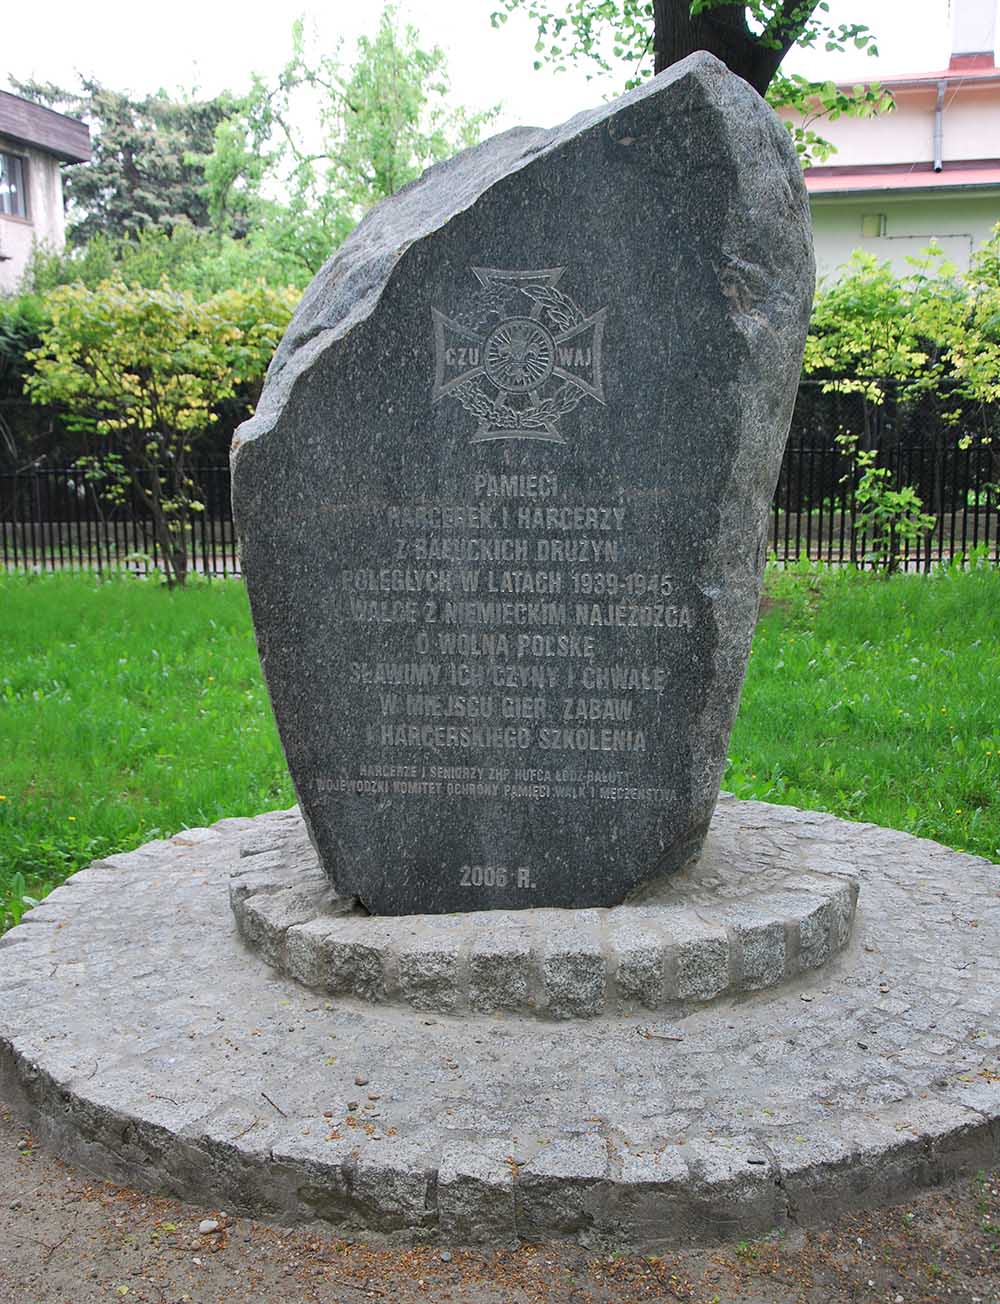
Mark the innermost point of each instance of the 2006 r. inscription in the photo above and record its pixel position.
(502, 508)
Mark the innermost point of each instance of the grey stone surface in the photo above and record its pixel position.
(429, 973)
(702, 959)
(155, 1050)
(500, 970)
(503, 505)
(565, 1189)
(573, 971)
(726, 924)
(640, 968)
(475, 1194)
(761, 952)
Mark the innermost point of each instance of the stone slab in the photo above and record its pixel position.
(157, 1049)
(734, 921)
(503, 503)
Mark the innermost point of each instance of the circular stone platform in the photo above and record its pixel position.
(141, 1037)
(748, 915)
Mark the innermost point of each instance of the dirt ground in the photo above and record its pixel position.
(66, 1238)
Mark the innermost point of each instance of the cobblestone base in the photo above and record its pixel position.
(751, 913)
(142, 1038)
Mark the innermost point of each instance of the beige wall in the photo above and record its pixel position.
(972, 123)
(45, 224)
(904, 135)
(961, 222)
(970, 128)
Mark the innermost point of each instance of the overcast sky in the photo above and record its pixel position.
(215, 44)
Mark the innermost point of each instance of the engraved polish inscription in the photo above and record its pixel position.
(532, 630)
(502, 507)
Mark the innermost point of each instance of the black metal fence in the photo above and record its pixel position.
(814, 512)
(56, 519)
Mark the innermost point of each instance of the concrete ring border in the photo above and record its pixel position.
(703, 934)
(142, 1084)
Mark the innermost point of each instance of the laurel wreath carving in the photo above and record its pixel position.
(492, 298)
(495, 299)
(500, 417)
(561, 309)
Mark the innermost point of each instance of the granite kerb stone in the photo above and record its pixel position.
(476, 1193)
(927, 1142)
(715, 930)
(588, 1189)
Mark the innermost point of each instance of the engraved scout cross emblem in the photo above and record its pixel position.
(519, 355)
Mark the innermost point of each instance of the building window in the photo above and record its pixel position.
(873, 225)
(13, 193)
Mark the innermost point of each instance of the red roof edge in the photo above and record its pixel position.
(885, 180)
(972, 69)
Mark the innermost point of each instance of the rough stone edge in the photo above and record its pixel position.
(591, 1189)
(359, 272)
(586, 1189)
(567, 964)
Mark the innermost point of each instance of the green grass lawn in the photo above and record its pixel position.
(128, 712)
(878, 700)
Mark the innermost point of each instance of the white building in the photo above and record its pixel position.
(34, 141)
(930, 168)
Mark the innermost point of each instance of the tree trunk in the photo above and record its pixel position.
(173, 554)
(722, 31)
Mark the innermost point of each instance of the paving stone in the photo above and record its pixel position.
(545, 1199)
(640, 974)
(733, 1184)
(814, 933)
(573, 973)
(216, 1090)
(429, 973)
(475, 1194)
(267, 917)
(500, 970)
(395, 1186)
(703, 964)
(760, 945)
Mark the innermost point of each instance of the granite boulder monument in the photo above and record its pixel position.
(502, 507)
